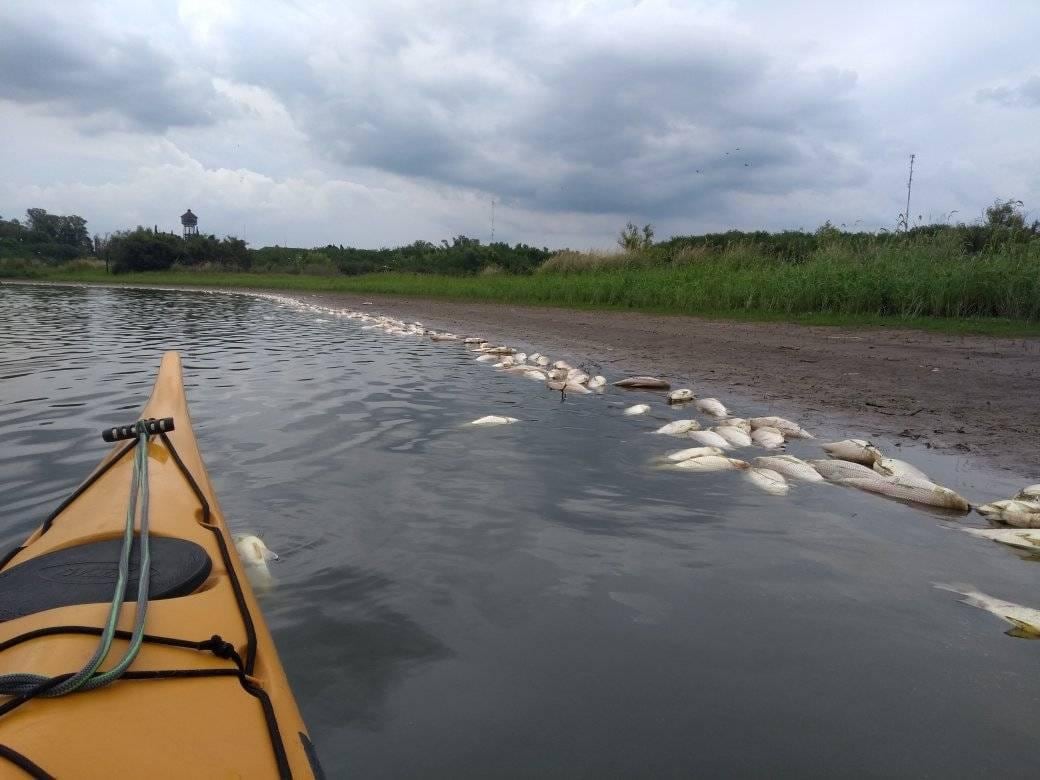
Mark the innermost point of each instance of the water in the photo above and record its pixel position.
(535, 599)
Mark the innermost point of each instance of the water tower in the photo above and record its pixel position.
(190, 223)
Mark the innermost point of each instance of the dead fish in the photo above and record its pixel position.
(534, 356)
(790, 430)
(1021, 514)
(839, 470)
(733, 435)
(1030, 493)
(678, 427)
(767, 437)
(712, 406)
(254, 555)
(558, 374)
(494, 419)
(893, 467)
(645, 382)
(556, 384)
(1025, 621)
(789, 466)
(562, 365)
(692, 452)
(471, 339)
(737, 422)
(443, 337)
(638, 409)
(597, 382)
(498, 350)
(486, 358)
(508, 360)
(575, 387)
(542, 360)
(577, 376)
(768, 480)
(854, 450)
(1021, 538)
(709, 439)
(520, 357)
(914, 490)
(680, 396)
(711, 463)
(533, 373)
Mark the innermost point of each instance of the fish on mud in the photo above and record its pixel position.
(643, 382)
(790, 430)
(712, 406)
(494, 419)
(733, 435)
(913, 490)
(596, 382)
(1020, 538)
(1025, 621)
(853, 450)
(638, 409)
(767, 437)
(711, 463)
(839, 470)
(692, 452)
(678, 427)
(789, 466)
(770, 481)
(1021, 514)
(893, 467)
(680, 396)
(709, 439)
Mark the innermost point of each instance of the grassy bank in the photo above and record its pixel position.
(995, 294)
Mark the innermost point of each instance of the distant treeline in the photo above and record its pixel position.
(44, 239)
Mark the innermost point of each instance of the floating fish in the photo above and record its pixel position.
(692, 452)
(854, 450)
(768, 480)
(914, 490)
(497, 350)
(790, 430)
(645, 382)
(486, 358)
(470, 339)
(1021, 538)
(520, 357)
(767, 437)
(680, 396)
(678, 427)
(443, 337)
(559, 374)
(1025, 621)
(575, 387)
(533, 373)
(562, 365)
(709, 439)
(737, 422)
(533, 357)
(556, 384)
(597, 382)
(711, 463)
(1030, 493)
(542, 360)
(577, 376)
(733, 435)
(789, 466)
(712, 406)
(494, 419)
(839, 470)
(893, 467)
(255, 555)
(638, 409)
(1021, 514)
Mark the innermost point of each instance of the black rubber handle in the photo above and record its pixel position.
(154, 428)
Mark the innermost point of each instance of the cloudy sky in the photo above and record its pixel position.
(378, 123)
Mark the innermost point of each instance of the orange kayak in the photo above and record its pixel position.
(205, 695)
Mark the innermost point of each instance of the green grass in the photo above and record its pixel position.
(995, 295)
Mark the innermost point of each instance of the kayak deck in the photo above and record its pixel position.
(215, 701)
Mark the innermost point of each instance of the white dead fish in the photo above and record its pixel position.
(768, 480)
(692, 452)
(767, 437)
(1021, 514)
(508, 360)
(737, 422)
(733, 435)
(471, 339)
(556, 384)
(498, 350)
(680, 396)
(678, 427)
(914, 490)
(789, 466)
(494, 419)
(711, 463)
(443, 337)
(1025, 621)
(893, 467)
(486, 358)
(638, 409)
(645, 382)
(575, 387)
(577, 376)
(709, 439)
(853, 450)
(1030, 493)
(839, 470)
(542, 360)
(712, 406)
(790, 430)
(254, 555)
(558, 374)
(533, 373)
(1021, 538)
(520, 357)
(562, 364)
(597, 382)
(533, 357)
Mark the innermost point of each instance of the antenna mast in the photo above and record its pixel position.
(492, 220)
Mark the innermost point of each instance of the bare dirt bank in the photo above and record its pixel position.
(971, 394)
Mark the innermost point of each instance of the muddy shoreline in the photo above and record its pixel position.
(977, 396)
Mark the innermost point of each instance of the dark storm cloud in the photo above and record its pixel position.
(109, 81)
(1025, 94)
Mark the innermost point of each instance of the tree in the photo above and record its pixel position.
(632, 239)
(1006, 213)
(143, 250)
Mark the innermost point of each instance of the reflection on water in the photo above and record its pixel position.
(535, 599)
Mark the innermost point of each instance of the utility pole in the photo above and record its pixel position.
(909, 184)
(492, 220)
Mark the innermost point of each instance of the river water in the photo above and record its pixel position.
(536, 599)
